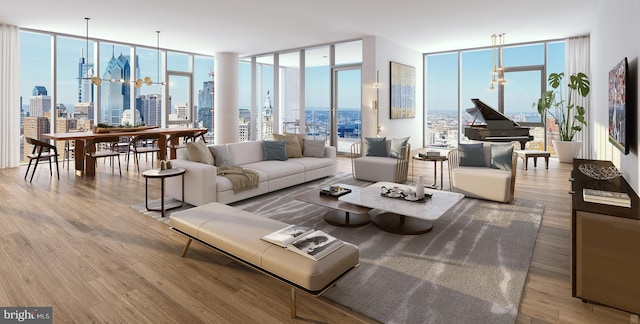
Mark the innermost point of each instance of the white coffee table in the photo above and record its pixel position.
(401, 216)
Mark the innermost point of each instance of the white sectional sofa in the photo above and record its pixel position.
(203, 185)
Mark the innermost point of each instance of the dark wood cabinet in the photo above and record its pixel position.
(605, 254)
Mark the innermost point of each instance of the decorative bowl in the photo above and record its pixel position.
(599, 173)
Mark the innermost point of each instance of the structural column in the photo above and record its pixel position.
(225, 101)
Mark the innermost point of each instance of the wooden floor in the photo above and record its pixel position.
(76, 245)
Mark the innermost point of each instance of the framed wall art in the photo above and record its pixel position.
(403, 91)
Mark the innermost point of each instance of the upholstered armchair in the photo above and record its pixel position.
(484, 171)
(381, 159)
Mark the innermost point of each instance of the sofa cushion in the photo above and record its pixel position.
(471, 155)
(221, 155)
(501, 157)
(313, 148)
(275, 169)
(274, 150)
(292, 145)
(375, 168)
(311, 163)
(199, 152)
(396, 146)
(376, 146)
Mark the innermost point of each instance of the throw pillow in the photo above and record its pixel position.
(314, 148)
(471, 155)
(301, 138)
(501, 157)
(396, 146)
(376, 146)
(199, 152)
(274, 150)
(292, 145)
(221, 155)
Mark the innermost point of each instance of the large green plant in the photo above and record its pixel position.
(569, 116)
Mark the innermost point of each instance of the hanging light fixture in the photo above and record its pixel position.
(497, 42)
(138, 82)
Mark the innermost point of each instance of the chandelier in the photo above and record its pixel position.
(497, 41)
(137, 83)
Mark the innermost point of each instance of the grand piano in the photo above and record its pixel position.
(496, 128)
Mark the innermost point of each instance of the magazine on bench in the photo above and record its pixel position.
(316, 245)
(287, 235)
(305, 241)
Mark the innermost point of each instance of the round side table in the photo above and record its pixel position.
(162, 175)
(435, 160)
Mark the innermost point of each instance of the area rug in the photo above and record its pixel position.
(471, 268)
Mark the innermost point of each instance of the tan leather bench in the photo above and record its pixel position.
(236, 233)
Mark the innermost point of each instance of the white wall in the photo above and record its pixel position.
(614, 36)
(387, 51)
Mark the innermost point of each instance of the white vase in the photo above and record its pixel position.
(566, 151)
(420, 187)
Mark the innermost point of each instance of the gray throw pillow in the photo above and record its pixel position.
(274, 150)
(221, 155)
(501, 157)
(199, 152)
(313, 148)
(376, 146)
(396, 146)
(471, 155)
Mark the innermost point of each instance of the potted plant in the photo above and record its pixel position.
(569, 115)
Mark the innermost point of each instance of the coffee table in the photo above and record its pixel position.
(343, 213)
(401, 216)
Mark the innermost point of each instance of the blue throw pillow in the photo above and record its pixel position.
(471, 155)
(396, 146)
(274, 150)
(376, 146)
(501, 157)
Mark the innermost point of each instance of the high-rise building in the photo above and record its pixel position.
(267, 118)
(83, 110)
(116, 94)
(85, 72)
(205, 105)
(40, 102)
(150, 108)
(181, 111)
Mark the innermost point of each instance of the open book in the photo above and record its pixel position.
(287, 235)
(316, 245)
(304, 241)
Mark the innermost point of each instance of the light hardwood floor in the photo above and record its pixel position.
(76, 245)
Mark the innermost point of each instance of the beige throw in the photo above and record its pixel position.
(241, 179)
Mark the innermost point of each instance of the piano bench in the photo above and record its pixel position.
(526, 154)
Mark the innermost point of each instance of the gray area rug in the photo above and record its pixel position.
(470, 269)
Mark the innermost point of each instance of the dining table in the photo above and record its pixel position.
(86, 166)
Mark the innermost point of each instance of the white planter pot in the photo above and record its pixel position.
(566, 151)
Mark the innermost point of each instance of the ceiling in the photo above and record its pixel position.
(257, 26)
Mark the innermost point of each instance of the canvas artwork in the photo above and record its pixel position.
(403, 91)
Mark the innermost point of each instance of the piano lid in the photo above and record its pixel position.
(484, 113)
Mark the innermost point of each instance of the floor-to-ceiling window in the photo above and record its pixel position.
(317, 93)
(441, 93)
(289, 79)
(455, 77)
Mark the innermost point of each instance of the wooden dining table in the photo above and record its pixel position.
(86, 165)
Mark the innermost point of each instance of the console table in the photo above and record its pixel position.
(605, 244)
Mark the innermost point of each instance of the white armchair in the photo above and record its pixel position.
(483, 181)
(380, 168)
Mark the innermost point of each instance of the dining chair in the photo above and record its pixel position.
(143, 144)
(103, 147)
(41, 150)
